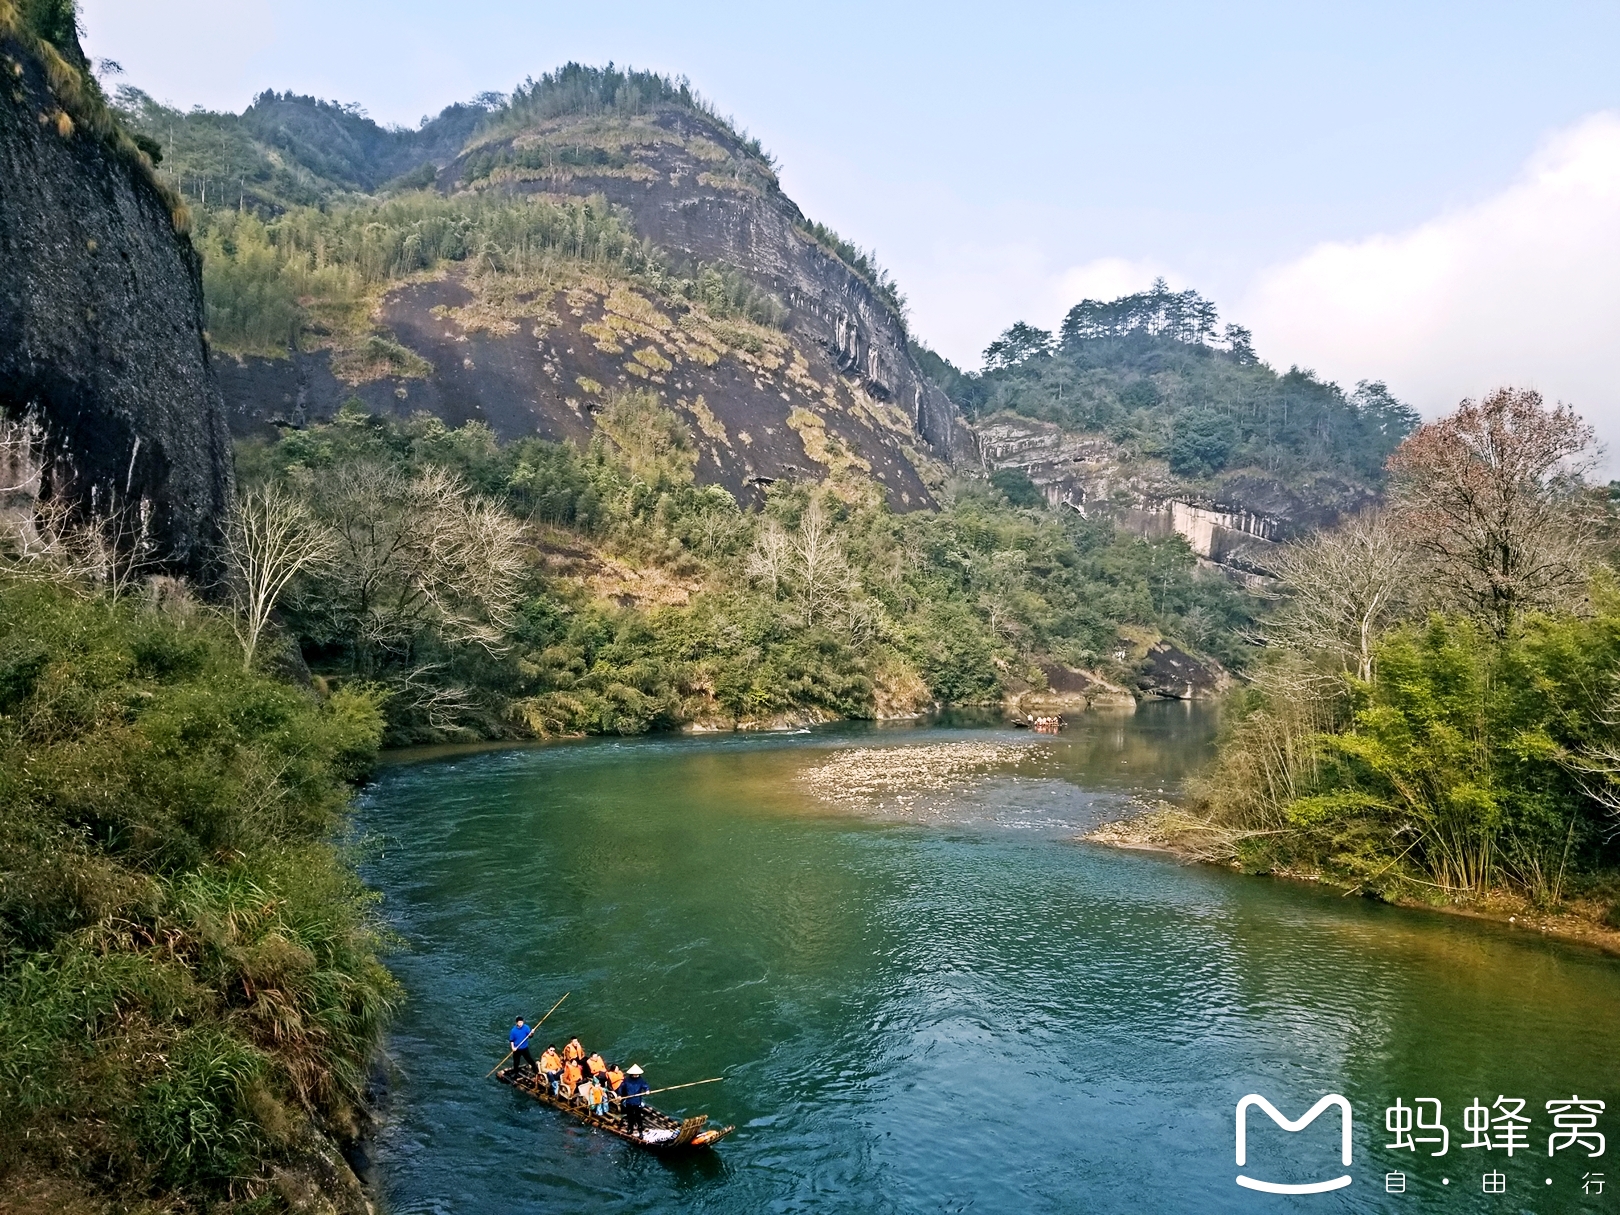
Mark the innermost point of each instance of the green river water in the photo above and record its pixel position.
(947, 1003)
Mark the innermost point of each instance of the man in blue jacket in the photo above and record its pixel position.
(635, 1084)
(519, 1038)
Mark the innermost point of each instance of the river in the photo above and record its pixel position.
(934, 998)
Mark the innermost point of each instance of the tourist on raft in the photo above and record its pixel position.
(596, 1065)
(551, 1066)
(519, 1038)
(574, 1050)
(572, 1074)
(635, 1084)
(595, 1096)
(615, 1077)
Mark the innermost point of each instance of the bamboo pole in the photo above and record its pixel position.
(672, 1087)
(530, 1038)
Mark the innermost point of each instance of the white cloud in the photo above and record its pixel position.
(1107, 278)
(1522, 288)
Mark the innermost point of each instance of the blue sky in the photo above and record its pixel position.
(1399, 191)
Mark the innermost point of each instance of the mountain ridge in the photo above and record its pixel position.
(1167, 408)
(782, 348)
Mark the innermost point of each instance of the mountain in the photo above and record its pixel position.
(525, 260)
(522, 263)
(1136, 410)
(108, 403)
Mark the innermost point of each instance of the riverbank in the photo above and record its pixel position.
(1183, 836)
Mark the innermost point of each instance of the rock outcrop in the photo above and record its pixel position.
(106, 392)
(1089, 472)
(685, 208)
(1067, 690)
(1234, 522)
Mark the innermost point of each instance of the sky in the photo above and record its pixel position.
(1425, 194)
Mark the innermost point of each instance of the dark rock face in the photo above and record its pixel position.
(757, 232)
(1170, 672)
(101, 330)
(742, 415)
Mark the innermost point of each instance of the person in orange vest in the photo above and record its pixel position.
(595, 1096)
(551, 1066)
(615, 1077)
(572, 1074)
(573, 1050)
(596, 1065)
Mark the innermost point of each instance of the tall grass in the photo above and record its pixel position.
(188, 965)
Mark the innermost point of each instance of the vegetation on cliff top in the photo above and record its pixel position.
(48, 30)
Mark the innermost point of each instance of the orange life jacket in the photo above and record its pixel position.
(615, 1078)
(596, 1065)
(550, 1061)
(572, 1072)
(574, 1050)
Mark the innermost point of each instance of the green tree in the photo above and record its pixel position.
(1201, 443)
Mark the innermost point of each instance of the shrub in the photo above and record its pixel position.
(187, 964)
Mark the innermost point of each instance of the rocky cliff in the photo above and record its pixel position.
(697, 192)
(827, 389)
(1233, 522)
(106, 392)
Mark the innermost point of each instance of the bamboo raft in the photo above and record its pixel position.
(660, 1132)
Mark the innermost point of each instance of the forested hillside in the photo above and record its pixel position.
(1188, 411)
(518, 260)
(693, 490)
(537, 587)
(593, 289)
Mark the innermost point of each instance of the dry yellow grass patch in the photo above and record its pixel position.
(628, 586)
(710, 425)
(849, 475)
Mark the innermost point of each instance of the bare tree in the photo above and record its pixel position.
(824, 573)
(414, 554)
(1343, 588)
(770, 560)
(1492, 496)
(270, 538)
(718, 523)
(54, 541)
(807, 565)
(21, 460)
